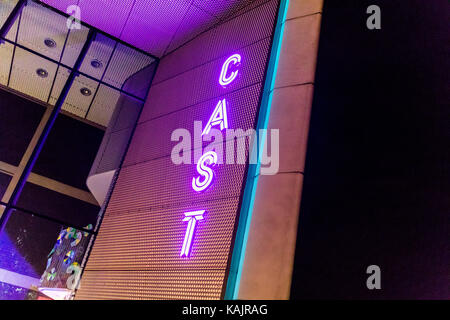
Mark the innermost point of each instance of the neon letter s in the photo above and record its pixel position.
(204, 171)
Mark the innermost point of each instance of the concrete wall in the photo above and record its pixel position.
(269, 257)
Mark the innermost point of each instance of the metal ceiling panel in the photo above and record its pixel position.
(61, 4)
(61, 78)
(103, 106)
(156, 26)
(24, 77)
(108, 15)
(38, 24)
(6, 7)
(6, 53)
(75, 103)
(43, 33)
(194, 22)
(75, 42)
(152, 24)
(98, 56)
(124, 63)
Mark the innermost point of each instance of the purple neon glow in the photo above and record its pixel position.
(225, 80)
(192, 217)
(206, 172)
(14, 268)
(185, 89)
(167, 23)
(219, 117)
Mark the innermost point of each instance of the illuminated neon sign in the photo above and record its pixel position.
(192, 218)
(205, 171)
(219, 117)
(204, 181)
(225, 80)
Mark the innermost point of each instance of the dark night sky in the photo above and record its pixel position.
(377, 181)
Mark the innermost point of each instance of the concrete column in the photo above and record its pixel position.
(270, 250)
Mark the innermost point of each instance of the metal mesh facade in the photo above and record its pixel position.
(136, 254)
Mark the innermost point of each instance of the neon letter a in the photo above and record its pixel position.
(219, 116)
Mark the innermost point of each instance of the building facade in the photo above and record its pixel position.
(158, 150)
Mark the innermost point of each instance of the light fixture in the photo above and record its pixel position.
(50, 43)
(85, 92)
(96, 64)
(42, 73)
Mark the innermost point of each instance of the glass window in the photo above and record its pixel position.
(39, 257)
(57, 204)
(4, 181)
(15, 138)
(50, 225)
(69, 151)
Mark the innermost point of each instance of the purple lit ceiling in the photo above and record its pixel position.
(155, 26)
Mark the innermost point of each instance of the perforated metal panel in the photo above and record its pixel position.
(153, 284)
(75, 103)
(61, 77)
(110, 15)
(125, 62)
(162, 25)
(223, 40)
(6, 6)
(74, 44)
(137, 252)
(242, 106)
(194, 22)
(61, 4)
(158, 235)
(43, 40)
(202, 83)
(99, 52)
(223, 9)
(38, 23)
(24, 77)
(103, 106)
(155, 22)
(6, 53)
(160, 183)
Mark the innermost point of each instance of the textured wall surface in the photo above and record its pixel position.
(277, 200)
(168, 24)
(137, 252)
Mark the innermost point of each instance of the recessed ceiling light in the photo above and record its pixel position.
(42, 73)
(96, 64)
(85, 92)
(50, 43)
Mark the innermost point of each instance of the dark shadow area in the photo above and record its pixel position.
(69, 151)
(377, 181)
(4, 182)
(57, 205)
(19, 119)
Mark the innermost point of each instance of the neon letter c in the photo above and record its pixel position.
(224, 80)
